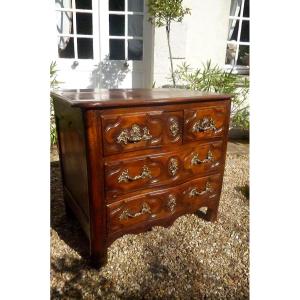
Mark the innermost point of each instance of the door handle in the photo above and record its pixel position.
(126, 65)
(75, 64)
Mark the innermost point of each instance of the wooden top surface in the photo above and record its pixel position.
(96, 98)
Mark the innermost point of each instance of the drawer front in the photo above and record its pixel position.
(142, 130)
(202, 123)
(128, 175)
(161, 204)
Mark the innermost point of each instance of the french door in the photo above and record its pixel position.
(103, 44)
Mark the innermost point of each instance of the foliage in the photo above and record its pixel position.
(214, 79)
(53, 85)
(162, 13)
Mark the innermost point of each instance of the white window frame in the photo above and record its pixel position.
(127, 37)
(238, 69)
(75, 35)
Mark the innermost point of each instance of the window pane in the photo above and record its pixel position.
(116, 25)
(135, 25)
(245, 31)
(83, 4)
(64, 22)
(84, 23)
(246, 12)
(63, 4)
(235, 8)
(136, 5)
(116, 49)
(135, 49)
(244, 55)
(230, 53)
(116, 5)
(85, 48)
(66, 47)
(233, 30)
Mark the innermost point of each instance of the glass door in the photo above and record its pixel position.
(103, 44)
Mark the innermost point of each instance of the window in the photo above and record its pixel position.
(74, 23)
(238, 42)
(126, 19)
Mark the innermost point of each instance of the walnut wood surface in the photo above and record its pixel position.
(159, 203)
(101, 98)
(158, 124)
(160, 167)
(132, 159)
(73, 155)
(192, 116)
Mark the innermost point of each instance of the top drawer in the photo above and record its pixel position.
(141, 130)
(203, 123)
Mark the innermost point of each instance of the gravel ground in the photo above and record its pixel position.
(193, 259)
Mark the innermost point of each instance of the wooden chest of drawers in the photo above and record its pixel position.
(132, 159)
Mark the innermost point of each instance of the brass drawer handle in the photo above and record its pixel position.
(197, 161)
(125, 177)
(134, 135)
(195, 193)
(205, 124)
(126, 214)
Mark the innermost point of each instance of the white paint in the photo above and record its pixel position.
(101, 72)
(200, 37)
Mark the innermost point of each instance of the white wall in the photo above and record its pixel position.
(200, 37)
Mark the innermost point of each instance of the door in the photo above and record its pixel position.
(103, 44)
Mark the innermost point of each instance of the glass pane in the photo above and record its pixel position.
(84, 23)
(136, 5)
(116, 25)
(83, 4)
(66, 47)
(63, 3)
(246, 12)
(235, 8)
(230, 54)
(116, 49)
(233, 30)
(135, 49)
(244, 55)
(116, 5)
(64, 22)
(135, 25)
(245, 31)
(85, 48)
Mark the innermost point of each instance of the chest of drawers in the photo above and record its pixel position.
(132, 159)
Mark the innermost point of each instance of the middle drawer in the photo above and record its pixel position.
(133, 174)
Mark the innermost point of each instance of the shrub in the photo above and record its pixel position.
(53, 85)
(214, 79)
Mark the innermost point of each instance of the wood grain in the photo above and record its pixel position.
(132, 159)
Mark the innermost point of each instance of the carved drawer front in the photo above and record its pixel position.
(202, 123)
(123, 133)
(128, 175)
(161, 204)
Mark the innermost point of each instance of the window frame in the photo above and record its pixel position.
(74, 10)
(126, 36)
(238, 69)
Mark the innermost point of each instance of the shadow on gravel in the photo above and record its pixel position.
(67, 228)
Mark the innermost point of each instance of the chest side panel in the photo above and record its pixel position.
(71, 138)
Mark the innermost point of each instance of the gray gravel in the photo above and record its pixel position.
(193, 259)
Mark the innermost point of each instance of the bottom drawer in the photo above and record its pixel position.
(137, 210)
